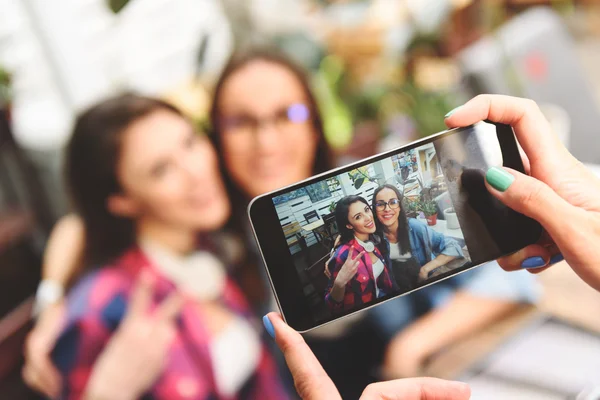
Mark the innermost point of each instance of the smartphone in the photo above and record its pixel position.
(391, 214)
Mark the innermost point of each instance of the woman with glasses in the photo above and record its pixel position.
(459, 306)
(268, 132)
(415, 249)
(359, 272)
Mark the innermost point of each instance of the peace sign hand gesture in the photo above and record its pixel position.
(135, 355)
(349, 268)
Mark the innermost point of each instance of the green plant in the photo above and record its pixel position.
(332, 206)
(361, 175)
(411, 206)
(428, 207)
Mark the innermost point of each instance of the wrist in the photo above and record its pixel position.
(431, 265)
(49, 293)
(96, 390)
(339, 284)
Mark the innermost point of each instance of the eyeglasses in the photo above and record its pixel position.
(393, 204)
(282, 119)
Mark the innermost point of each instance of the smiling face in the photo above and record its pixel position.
(386, 214)
(268, 137)
(169, 174)
(360, 218)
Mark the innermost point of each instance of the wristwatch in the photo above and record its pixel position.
(49, 292)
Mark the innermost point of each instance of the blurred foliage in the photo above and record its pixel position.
(427, 109)
(5, 87)
(117, 5)
(343, 107)
(337, 117)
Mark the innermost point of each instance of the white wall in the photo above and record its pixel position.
(67, 54)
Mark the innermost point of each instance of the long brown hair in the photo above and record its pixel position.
(92, 156)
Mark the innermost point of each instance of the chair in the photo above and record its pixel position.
(317, 278)
(311, 216)
(293, 237)
(330, 230)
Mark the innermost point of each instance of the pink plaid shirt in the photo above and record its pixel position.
(98, 303)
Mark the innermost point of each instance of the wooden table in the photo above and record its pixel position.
(313, 225)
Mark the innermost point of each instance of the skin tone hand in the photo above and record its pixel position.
(312, 382)
(39, 372)
(346, 273)
(135, 356)
(437, 262)
(62, 257)
(560, 193)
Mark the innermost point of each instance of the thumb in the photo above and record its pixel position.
(417, 389)
(310, 379)
(530, 197)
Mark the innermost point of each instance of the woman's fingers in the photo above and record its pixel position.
(537, 256)
(417, 389)
(141, 296)
(358, 256)
(534, 199)
(170, 308)
(532, 129)
(310, 378)
(46, 381)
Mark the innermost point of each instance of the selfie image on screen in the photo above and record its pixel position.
(372, 233)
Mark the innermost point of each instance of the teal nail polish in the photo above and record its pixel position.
(269, 326)
(452, 112)
(533, 262)
(499, 179)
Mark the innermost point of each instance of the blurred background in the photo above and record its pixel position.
(385, 72)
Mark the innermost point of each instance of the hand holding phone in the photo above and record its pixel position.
(561, 193)
(312, 382)
(406, 218)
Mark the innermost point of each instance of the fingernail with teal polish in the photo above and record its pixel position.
(269, 326)
(533, 262)
(452, 112)
(499, 179)
(556, 258)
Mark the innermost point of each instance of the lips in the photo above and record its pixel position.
(370, 224)
(387, 216)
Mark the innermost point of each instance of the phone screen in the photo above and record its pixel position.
(363, 234)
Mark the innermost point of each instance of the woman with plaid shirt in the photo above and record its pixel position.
(160, 318)
(359, 272)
